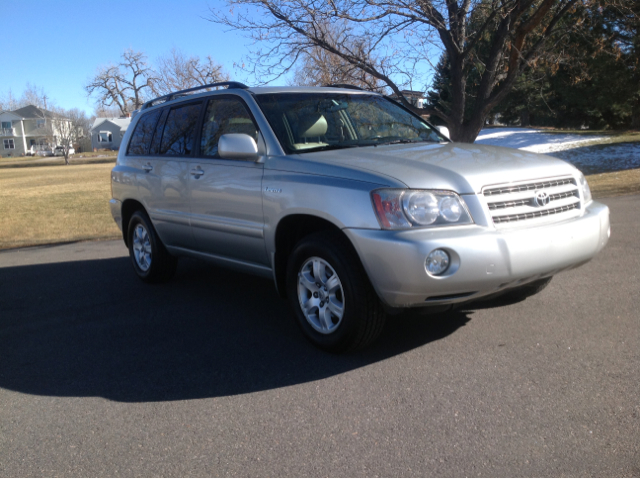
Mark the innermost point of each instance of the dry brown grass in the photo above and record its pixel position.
(53, 204)
(615, 184)
(38, 161)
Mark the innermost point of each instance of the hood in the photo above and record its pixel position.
(461, 167)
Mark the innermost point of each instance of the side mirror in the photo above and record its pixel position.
(237, 146)
(444, 130)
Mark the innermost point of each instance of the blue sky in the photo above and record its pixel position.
(58, 44)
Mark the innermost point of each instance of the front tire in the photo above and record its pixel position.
(150, 259)
(330, 294)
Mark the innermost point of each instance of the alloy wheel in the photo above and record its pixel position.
(320, 295)
(142, 247)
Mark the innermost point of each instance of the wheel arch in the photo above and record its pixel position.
(129, 207)
(290, 230)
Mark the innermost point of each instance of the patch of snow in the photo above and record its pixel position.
(603, 158)
(592, 159)
(537, 141)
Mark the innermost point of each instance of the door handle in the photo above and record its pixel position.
(147, 167)
(197, 172)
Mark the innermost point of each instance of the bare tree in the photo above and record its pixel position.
(106, 112)
(176, 71)
(36, 96)
(8, 101)
(32, 95)
(124, 85)
(68, 127)
(318, 67)
(497, 38)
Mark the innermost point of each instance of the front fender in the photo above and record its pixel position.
(342, 202)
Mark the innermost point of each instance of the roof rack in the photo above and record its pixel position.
(345, 85)
(174, 95)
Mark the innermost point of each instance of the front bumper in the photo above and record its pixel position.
(484, 260)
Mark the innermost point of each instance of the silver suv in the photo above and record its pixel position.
(355, 206)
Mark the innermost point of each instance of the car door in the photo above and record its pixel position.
(226, 195)
(163, 187)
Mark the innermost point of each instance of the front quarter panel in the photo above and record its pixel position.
(345, 203)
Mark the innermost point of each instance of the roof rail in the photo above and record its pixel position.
(345, 85)
(174, 95)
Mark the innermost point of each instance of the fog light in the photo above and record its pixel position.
(437, 262)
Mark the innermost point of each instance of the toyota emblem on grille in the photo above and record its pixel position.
(542, 198)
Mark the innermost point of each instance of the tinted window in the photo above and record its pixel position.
(224, 115)
(157, 136)
(141, 137)
(179, 131)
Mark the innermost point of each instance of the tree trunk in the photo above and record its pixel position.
(468, 131)
(525, 118)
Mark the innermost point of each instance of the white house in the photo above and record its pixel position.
(29, 130)
(108, 132)
(416, 98)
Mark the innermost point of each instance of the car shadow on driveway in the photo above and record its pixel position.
(91, 328)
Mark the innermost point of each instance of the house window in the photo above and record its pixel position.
(40, 123)
(9, 144)
(105, 137)
(6, 125)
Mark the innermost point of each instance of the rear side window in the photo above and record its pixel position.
(157, 137)
(180, 129)
(224, 115)
(141, 137)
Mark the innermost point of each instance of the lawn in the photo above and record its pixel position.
(53, 204)
(79, 159)
(616, 183)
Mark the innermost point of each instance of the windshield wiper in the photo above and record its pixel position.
(336, 146)
(401, 141)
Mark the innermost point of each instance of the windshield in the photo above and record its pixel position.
(305, 122)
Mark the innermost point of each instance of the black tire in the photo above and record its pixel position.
(160, 266)
(362, 317)
(523, 292)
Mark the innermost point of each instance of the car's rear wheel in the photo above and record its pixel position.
(150, 259)
(331, 296)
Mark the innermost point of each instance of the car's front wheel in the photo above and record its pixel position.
(331, 296)
(150, 259)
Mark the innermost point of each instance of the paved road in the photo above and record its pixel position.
(101, 375)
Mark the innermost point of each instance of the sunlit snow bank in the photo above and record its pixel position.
(537, 141)
(569, 147)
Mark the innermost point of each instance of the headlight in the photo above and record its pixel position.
(584, 186)
(400, 209)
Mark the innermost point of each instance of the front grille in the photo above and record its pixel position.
(538, 185)
(531, 200)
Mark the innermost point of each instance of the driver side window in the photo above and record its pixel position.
(224, 115)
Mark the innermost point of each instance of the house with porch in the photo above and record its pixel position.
(28, 131)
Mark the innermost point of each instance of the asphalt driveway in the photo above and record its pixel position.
(102, 375)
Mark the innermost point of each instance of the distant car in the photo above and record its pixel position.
(59, 151)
